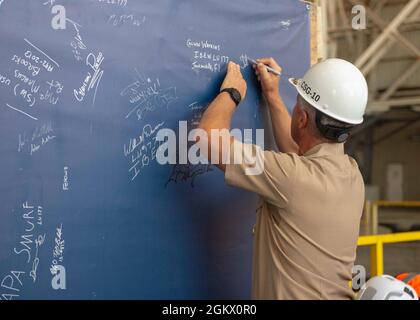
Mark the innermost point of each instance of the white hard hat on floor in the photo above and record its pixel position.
(337, 88)
(386, 288)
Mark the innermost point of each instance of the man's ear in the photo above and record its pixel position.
(303, 118)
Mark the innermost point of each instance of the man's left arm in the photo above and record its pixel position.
(218, 116)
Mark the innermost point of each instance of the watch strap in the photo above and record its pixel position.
(234, 94)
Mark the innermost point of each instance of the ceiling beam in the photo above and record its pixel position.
(382, 106)
(394, 33)
(400, 81)
(385, 35)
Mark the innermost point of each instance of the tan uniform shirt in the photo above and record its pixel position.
(307, 224)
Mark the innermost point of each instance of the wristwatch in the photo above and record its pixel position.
(234, 94)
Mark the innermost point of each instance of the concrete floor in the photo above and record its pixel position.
(401, 257)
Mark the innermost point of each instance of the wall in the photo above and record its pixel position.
(398, 148)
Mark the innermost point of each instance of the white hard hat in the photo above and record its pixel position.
(386, 288)
(337, 88)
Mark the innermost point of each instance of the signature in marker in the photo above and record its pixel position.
(93, 78)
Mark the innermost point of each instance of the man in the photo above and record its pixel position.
(311, 192)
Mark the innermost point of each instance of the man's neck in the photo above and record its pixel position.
(307, 144)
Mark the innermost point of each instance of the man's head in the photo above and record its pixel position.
(310, 125)
(333, 95)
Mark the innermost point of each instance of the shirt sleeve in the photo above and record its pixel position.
(267, 173)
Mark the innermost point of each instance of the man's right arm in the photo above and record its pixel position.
(280, 117)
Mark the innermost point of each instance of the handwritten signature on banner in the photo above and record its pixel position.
(119, 3)
(58, 252)
(38, 243)
(93, 78)
(190, 172)
(142, 150)
(187, 173)
(77, 43)
(206, 56)
(25, 83)
(38, 138)
(146, 95)
(126, 20)
(27, 249)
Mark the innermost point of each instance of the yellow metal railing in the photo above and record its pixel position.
(376, 243)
